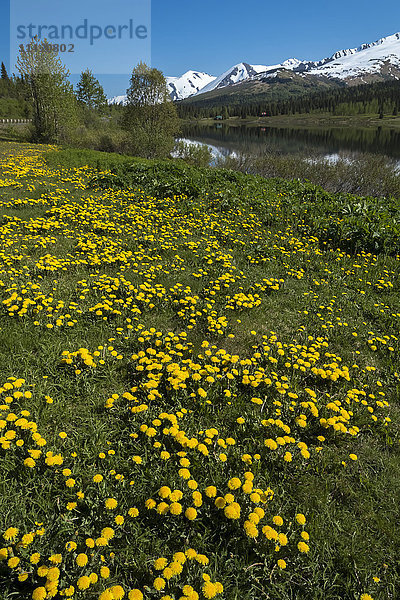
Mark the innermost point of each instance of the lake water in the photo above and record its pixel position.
(324, 142)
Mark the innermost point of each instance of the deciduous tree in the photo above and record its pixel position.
(150, 116)
(53, 99)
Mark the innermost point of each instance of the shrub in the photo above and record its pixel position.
(198, 155)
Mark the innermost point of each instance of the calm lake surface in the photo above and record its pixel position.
(319, 141)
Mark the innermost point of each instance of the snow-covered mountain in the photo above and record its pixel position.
(117, 100)
(376, 58)
(380, 58)
(188, 84)
(235, 74)
(244, 71)
(179, 88)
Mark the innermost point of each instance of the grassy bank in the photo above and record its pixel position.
(199, 383)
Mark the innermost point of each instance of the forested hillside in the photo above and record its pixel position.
(372, 98)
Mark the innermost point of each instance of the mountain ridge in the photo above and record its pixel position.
(380, 58)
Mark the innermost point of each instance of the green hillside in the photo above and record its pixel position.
(291, 93)
(281, 87)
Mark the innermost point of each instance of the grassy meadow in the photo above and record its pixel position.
(200, 381)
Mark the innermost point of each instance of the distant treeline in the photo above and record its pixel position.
(15, 101)
(374, 98)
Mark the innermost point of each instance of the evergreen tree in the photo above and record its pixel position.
(4, 74)
(150, 117)
(53, 99)
(90, 93)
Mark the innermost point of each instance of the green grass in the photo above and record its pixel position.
(71, 157)
(191, 227)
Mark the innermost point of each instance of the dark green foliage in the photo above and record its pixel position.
(224, 188)
(4, 74)
(342, 220)
(15, 102)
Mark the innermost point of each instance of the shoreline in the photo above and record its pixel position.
(305, 121)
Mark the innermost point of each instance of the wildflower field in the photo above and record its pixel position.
(199, 391)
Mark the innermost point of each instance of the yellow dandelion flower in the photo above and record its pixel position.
(108, 533)
(300, 518)
(234, 483)
(106, 595)
(164, 492)
(83, 582)
(117, 591)
(159, 583)
(39, 593)
(35, 557)
(3, 553)
(281, 563)
(191, 513)
(232, 511)
(160, 563)
(104, 572)
(81, 560)
(303, 547)
(135, 595)
(210, 491)
(10, 533)
(13, 562)
(191, 553)
(209, 590)
(175, 508)
(111, 503)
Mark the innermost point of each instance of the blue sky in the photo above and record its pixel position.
(211, 36)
